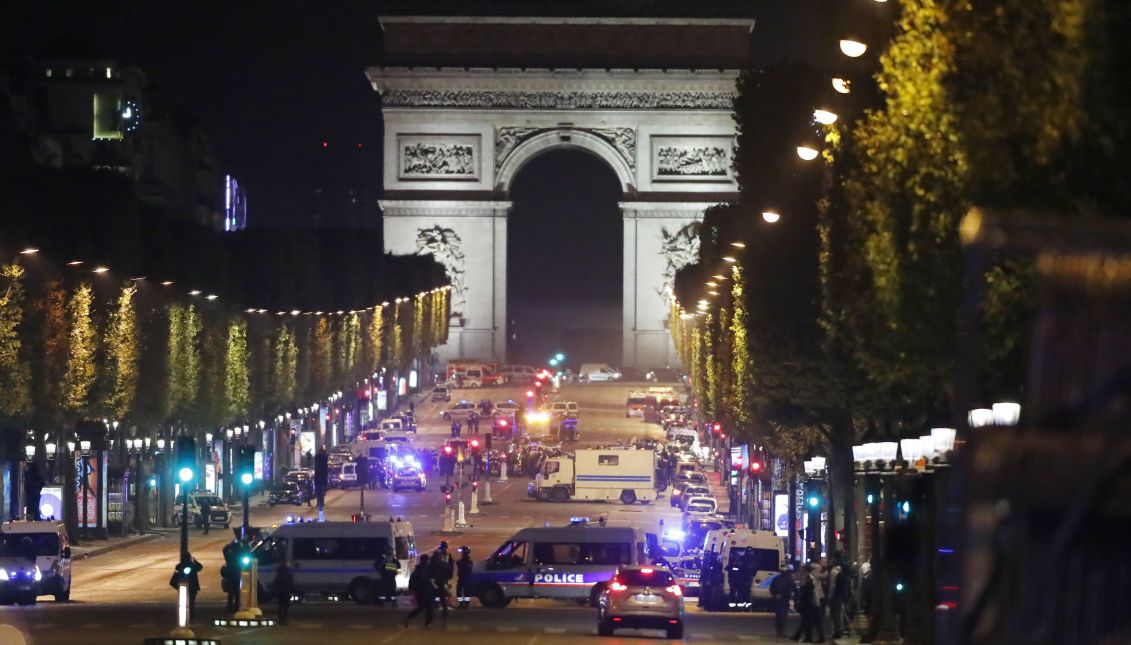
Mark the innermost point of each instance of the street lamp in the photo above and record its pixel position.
(807, 153)
(1006, 413)
(770, 217)
(852, 48)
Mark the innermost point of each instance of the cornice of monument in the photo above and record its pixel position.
(482, 79)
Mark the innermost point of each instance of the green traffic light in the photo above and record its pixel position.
(247, 478)
(553, 362)
(814, 501)
(187, 570)
(246, 561)
(899, 586)
(185, 474)
(560, 357)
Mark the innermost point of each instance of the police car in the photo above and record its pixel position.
(35, 560)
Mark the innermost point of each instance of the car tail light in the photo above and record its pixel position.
(674, 590)
(615, 585)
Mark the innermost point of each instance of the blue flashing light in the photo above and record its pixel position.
(153, 482)
(906, 506)
(290, 519)
(899, 586)
(946, 551)
(675, 534)
(871, 498)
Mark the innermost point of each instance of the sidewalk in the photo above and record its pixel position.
(92, 548)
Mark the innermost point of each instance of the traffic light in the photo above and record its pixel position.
(186, 459)
(559, 357)
(718, 427)
(755, 466)
(245, 560)
(245, 465)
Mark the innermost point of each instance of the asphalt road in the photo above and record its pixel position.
(126, 591)
(527, 623)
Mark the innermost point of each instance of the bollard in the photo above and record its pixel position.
(503, 473)
(474, 503)
(449, 523)
(183, 630)
(462, 521)
(487, 494)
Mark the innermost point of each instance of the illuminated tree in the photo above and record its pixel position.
(373, 337)
(236, 374)
(49, 362)
(741, 374)
(15, 375)
(81, 338)
(712, 382)
(184, 364)
(122, 350)
(351, 329)
(284, 363)
(396, 343)
(320, 348)
(418, 340)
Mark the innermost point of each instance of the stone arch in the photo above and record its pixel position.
(557, 139)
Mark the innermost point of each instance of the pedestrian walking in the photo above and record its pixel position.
(423, 591)
(442, 568)
(283, 587)
(188, 570)
(463, 581)
(783, 589)
(205, 513)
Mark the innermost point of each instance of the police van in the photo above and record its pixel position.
(766, 556)
(336, 558)
(571, 563)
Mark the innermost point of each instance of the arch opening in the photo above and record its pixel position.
(565, 259)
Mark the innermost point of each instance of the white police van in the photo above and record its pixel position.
(336, 558)
(573, 562)
(44, 547)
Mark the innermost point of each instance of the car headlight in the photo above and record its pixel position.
(38, 574)
(3, 575)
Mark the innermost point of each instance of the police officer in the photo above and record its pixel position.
(463, 582)
(455, 429)
(230, 575)
(734, 573)
(283, 587)
(442, 568)
(205, 513)
(389, 567)
(189, 568)
(782, 590)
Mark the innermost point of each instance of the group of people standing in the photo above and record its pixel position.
(823, 587)
(430, 580)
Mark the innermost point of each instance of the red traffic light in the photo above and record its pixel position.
(530, 394)
(755, 466)
(474, 485)
(502, 423)
(718, 427)
(447, 450)
(474, 443)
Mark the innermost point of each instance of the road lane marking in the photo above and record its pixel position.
(391, 637)
(702, 637)
(509, 629)
(555, 630)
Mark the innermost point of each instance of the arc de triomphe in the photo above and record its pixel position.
(456, 137)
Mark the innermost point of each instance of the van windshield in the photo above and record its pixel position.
(29, 544)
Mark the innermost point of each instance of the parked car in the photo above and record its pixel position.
(459, 410)
(441, 393)
(641, 597)
(287, 493)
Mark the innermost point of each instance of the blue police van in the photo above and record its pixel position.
(571, 563)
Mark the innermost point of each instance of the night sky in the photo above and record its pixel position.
(270, 81)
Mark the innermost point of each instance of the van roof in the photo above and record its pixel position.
(41, 526)
(339, 529)
(580, 534)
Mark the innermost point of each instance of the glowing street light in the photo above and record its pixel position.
(738, 245)
(770, 216)
(729, 259)
(29, 251)
(853, 48)
(842, 86)
(806, 153)
(824, 117)
(100, 269)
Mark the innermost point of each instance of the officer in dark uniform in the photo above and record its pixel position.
(389, 568)
(463, 582)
